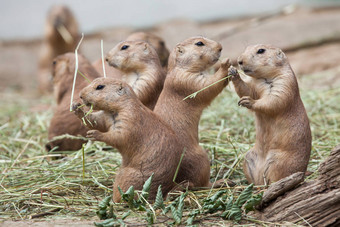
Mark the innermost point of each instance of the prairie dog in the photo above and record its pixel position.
(187, 73)
(140, 67)
(146, 143)
(61, 36)
(63, 121)
(283, 135)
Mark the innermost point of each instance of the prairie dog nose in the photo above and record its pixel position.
(240, 60)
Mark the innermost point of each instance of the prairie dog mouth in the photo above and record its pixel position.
(86, 103)
(217, 57)
(245, 70)
(216, 60)
(111, 63)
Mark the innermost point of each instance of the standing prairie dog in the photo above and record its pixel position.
(187, 73)
(283, 135)
(155, 41)
(61, 36)
(140, 67)
(147, 145)
(63, 121)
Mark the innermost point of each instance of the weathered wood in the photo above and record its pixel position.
(315, 203)
(280, 187)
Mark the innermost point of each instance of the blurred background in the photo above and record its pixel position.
(307, 30)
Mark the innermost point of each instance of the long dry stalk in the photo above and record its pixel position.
(75, 70)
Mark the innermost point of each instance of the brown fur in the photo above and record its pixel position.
(155, 41)
(140, 68)
(63, 121)
(54, 44)
(187, 74)
(146, 143)
(283, 136)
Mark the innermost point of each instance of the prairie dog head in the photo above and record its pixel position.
(195, 54)
(131, 56)
(262, 61)
(61, 17)
(107, 94)
(63, 67)
(155, 41)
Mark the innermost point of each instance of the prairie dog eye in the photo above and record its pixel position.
(261, 51)
(124, 47)
(100, 87)
(199, 43)
(54, 62)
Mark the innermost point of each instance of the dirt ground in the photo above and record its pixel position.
(50, 223)
(311, 39)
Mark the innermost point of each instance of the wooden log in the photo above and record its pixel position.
(314, 203)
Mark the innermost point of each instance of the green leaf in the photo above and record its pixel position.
(166, 209)
(175, 215)
(215, 202)
(159, 202)
(129, 195)
(107, 223)
(149, 217)
(228, 207)
(126, 214)
(212, 208)
(101, 213)
(120, 191)
(111, 214)
(146, 187)
(244, 196)
(141, 206)
(235, 213)
(214, 197)
(105, 202)
(181, 204)
(178, 213)
(229, 203)
(254, 201)
(192, 215)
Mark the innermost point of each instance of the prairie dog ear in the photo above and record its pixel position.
(146, 48)
(280, 54)
(179, 49)
(280, 58)
(121, 89)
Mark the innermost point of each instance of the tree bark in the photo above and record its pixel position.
(314, 203)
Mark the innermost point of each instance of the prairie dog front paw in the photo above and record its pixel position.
(246, 101)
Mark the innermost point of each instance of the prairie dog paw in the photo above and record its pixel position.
(233, 72)
(75, 106)
(77, 109)
(225, 64)
(93, 134)
(246, 101)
